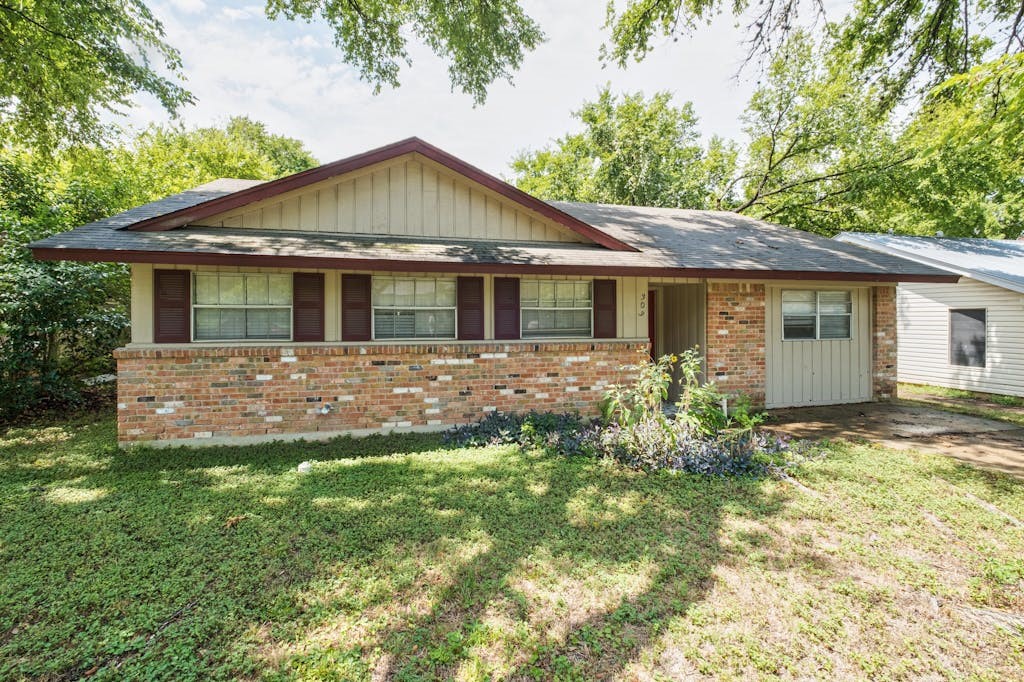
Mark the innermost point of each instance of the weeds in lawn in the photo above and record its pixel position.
(400, 558)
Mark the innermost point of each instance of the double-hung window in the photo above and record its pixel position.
(413, 308)
(556, 308)
(241, 306)
(816, 315)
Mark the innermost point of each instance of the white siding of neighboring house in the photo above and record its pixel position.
(825, 372)
(406, 196)
(923, 314)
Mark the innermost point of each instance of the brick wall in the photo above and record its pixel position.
(883, 350)
(736, 338)
(202, 393)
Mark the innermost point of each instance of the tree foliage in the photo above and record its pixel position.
(904, 46)
(59, 321)
(631, 150)
(63, 63)
(482, 40)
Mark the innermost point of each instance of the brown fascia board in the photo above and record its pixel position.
(273, 188)
(388, 265)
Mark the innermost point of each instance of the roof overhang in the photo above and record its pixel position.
(273, 188)
(858, 239)
(392, 265)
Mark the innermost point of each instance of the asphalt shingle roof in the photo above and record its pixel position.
(667, 239)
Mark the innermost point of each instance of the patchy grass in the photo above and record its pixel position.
(1005, 408)
(398, 559)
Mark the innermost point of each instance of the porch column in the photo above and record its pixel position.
(735, 351)
(883, 348)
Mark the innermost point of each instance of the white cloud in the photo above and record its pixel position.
(188, 6)
(266, 70)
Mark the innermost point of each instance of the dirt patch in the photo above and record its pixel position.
(982, 442)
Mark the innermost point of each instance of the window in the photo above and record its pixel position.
(816, 315)
(555, 308)
(236, 306)
(967, 337)
(413, 308)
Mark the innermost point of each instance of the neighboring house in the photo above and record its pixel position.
(968, 334)
(405, 289)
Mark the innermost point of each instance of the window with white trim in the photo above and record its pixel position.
(816, 315)
(556, 308)
(241, 306)
(413, 308)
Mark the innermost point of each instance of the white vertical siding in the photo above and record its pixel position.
(817, 372)
(923, 323)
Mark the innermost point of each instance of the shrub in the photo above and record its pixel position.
(567, 434)
(701, 437)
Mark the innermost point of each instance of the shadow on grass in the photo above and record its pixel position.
(222, 562)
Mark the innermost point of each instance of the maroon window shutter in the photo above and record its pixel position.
(355, 308)
(470, 310)
(307, 306)
(506, 308)
(172, 303)
(604, 309)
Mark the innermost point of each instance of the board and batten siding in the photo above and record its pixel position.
(407, 196)
(923, 329)
(630, 299)
(826, 372)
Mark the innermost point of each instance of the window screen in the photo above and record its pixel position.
(811, 315)
(239, 306)
(554, 308)
(967, 337)
(413, 308)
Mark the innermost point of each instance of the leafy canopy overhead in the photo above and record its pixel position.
(904, 45)
(63, 63)
(482, 40)
(632, 150)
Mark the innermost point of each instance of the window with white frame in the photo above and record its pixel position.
(241, 306)
(816, 315)
(413, 308)
(556, 308)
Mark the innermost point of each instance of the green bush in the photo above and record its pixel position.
(58, 323)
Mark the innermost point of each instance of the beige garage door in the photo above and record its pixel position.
(807, 363)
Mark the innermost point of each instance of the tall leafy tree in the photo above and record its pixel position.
(815, 141)
(63, 63)
(905, 46)
(965, 175)
(482, 40)
(60, 320)
(631, 150)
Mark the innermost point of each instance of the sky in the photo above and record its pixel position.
(289, 76)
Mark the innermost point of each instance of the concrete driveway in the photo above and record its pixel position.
(982, 442)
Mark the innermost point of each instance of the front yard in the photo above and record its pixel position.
(396, 558)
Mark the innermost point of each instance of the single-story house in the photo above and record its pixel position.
(968, 334)
(402, 288)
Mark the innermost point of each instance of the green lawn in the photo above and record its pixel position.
(397, 559)
(1005, 408)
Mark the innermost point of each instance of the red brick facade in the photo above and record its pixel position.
(735, 351)
(883, 349)
(201, 393)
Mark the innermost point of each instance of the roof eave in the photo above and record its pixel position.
(994, 280)
(392, 265)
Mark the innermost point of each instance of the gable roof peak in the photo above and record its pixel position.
(271, 188)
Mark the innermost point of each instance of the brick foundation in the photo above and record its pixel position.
(203, 394)
(736, 339)
(883, 348)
